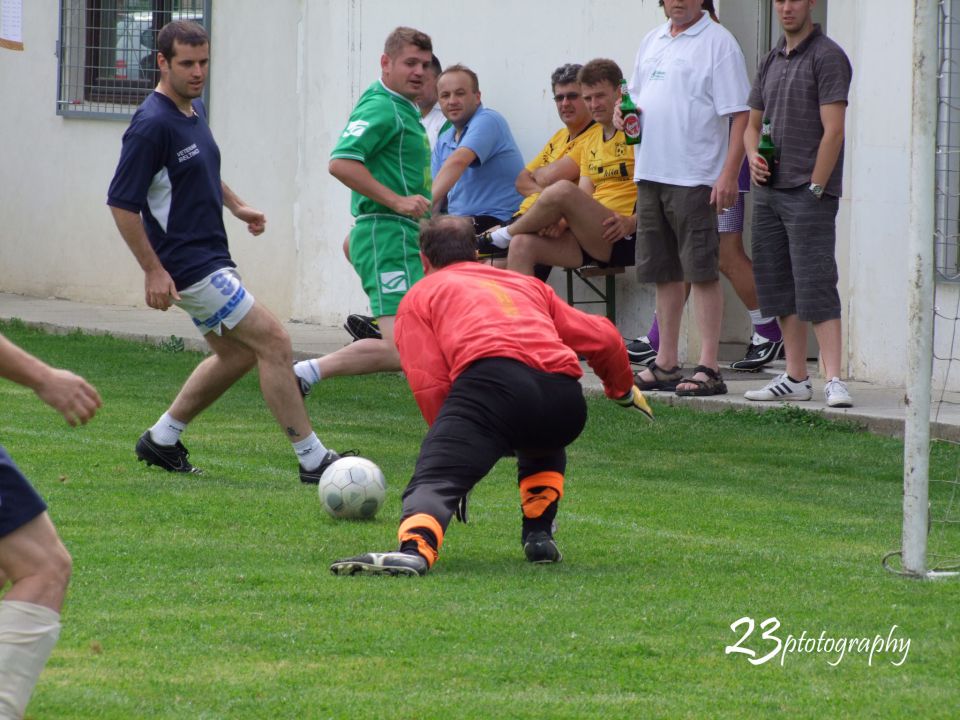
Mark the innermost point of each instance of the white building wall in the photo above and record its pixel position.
(872, 227)
(284, 77)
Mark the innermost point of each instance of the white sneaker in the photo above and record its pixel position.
(783, 388)
(836, 394)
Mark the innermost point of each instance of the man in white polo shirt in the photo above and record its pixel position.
(689, 81)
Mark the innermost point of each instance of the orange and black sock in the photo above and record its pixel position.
(422, 534)
(540, 495)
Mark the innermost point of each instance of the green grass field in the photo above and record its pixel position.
(209, 596)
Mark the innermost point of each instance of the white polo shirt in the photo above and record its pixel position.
(685, 87)
(432, 122)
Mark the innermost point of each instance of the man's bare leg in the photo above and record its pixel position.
(212, 377)
(527, 250)
(34, 559)
(364, 356)
(708, 314)
(39, 566)
(829, 337)
(795, 344)
(737, 267)
(261, 334)
(670, 299)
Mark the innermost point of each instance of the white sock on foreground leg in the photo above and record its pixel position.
(310, 451)
(501, 237)
(167, 430)
(308, 370)
(28, 633)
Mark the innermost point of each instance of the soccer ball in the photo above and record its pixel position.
(352, 488)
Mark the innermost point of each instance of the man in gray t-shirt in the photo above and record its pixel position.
(801, 90)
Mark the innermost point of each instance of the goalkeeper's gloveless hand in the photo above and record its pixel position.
(636, 399)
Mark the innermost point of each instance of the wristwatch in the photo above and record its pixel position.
(816, 190)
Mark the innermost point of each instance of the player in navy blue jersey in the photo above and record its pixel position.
(167, 199)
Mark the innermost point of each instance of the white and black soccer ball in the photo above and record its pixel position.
(352, 488)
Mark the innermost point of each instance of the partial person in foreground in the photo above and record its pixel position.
(801, 88)
(32, 557)
(167, 200)
(510, 385)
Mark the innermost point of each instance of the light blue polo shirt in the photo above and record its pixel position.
(487, 185)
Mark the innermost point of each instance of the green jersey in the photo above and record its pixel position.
(385, 134)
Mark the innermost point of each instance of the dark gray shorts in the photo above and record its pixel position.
(677, 238)
(794, 244)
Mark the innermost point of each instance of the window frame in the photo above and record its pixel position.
(85, 38)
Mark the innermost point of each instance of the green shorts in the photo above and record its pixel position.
(385, 252)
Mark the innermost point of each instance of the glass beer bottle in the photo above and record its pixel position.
(631, 116)
(767, 150)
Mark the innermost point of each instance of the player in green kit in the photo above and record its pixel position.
(383, 156)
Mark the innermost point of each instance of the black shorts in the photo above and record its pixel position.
(19, 502)
(496, 407)
(482, 223)
(623, 254)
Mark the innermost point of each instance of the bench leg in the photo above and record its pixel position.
(611, 298)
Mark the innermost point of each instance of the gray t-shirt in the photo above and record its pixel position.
(789, 90)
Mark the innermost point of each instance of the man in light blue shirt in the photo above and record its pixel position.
(475, 162)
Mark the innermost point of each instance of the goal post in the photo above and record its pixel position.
(920, 303)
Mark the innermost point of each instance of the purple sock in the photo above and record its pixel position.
(769, 330)
(653, 335)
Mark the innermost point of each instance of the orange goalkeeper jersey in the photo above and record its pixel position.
(468, 311)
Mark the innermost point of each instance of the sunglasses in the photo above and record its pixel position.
(566, 96)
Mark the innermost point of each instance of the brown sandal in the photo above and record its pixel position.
(662, 379)
(713, 385)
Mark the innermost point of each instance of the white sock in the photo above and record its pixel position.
(167, 430)
(310, 451)
(308, 370)
(28, 633)
(501, 237)
(756, 318)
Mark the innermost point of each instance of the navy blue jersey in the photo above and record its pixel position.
(169, 172)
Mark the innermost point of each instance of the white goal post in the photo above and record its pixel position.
(920, 305)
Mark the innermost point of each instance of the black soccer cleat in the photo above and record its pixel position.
(486, 250)
(541, 549)
(363, 327)
(760, 352)
(640, 351)
(312, 477)
(172, 458)
(388, 563)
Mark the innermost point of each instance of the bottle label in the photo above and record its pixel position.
(631, 125)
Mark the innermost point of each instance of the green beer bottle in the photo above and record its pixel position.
(631, 116)
(767, 150)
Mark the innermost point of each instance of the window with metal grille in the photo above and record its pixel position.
(107, 52)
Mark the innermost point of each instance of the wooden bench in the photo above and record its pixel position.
(597, 295)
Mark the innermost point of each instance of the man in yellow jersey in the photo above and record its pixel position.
(578, 128)
(592, 220)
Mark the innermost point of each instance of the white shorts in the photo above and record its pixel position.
(218, 300)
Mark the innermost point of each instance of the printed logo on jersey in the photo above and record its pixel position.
(506, 302)
(616, 171)
(393, 282)
(187, 153)
(355, 128)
